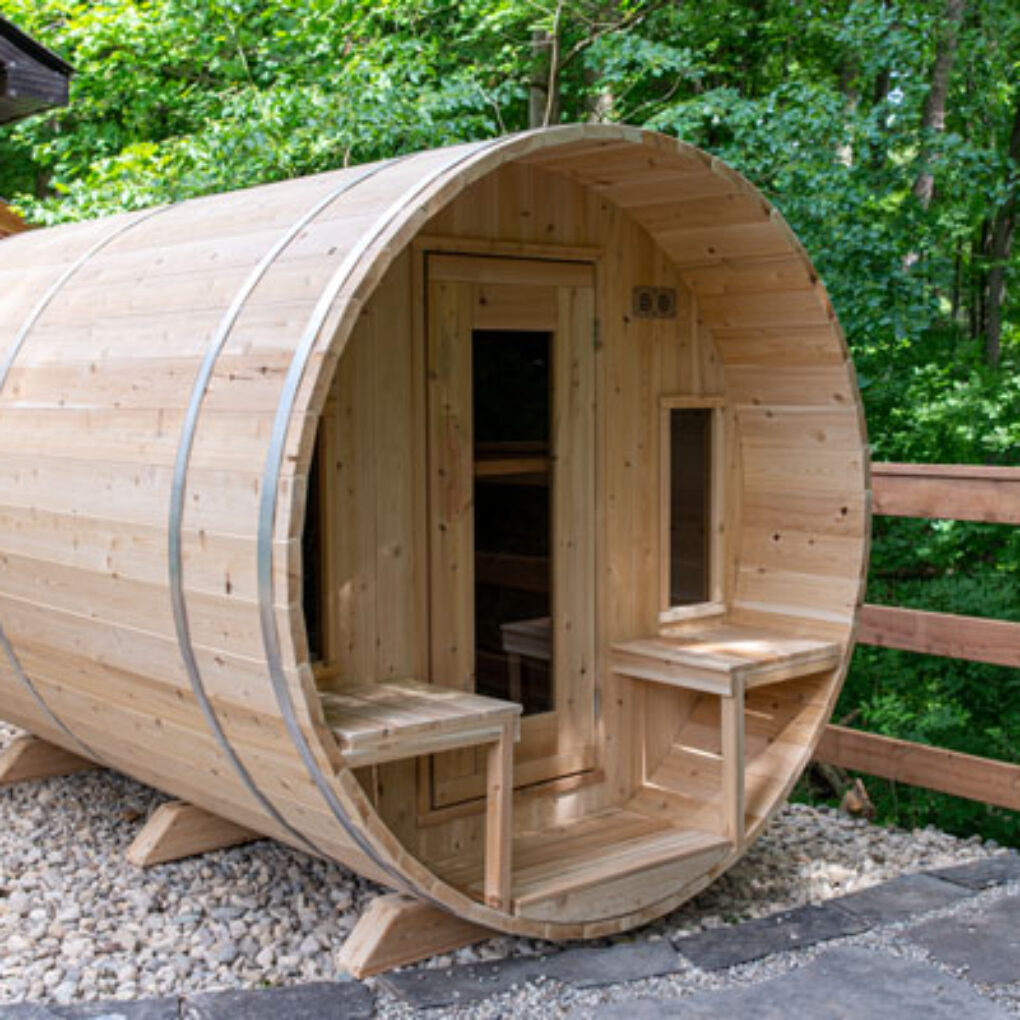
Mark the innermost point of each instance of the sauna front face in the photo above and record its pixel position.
(491, 520)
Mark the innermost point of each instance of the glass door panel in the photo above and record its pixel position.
(511, 425)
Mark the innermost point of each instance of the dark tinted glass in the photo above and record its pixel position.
(513, 633)
(690, 446)
(311, 555)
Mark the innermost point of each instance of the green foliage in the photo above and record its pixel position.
(820, 104)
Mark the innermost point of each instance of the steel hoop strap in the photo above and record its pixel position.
(269, 499)
(178, 492)
(5, 370)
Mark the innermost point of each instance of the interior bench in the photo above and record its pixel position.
(525, 639)
(404, 719)
(725, 660)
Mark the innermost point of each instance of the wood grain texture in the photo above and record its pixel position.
(499, 795)
(177, 830)
(973, 638)
(951, 492)
(90, 424)
(27, 758)
(396, 930)
(933, 768)
(733, 766)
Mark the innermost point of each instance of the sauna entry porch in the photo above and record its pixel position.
(507, 416)
(522, 622)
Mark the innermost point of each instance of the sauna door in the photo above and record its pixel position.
(511, 450)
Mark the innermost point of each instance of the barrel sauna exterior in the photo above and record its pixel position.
(222, 417)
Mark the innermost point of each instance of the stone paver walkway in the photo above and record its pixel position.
(965, 965)
(837, 985)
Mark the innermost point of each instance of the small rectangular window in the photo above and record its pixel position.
(691, 438)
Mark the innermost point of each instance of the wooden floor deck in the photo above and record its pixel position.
(592, 863)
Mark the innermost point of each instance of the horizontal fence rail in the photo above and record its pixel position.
(954, 637)
(950, 492)
(9, 223)
(953, 492)
(933, 768)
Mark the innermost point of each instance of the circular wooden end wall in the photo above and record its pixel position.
(164, 377)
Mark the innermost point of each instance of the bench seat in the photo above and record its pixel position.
(725, 660)
(402, 719)
(715, 659)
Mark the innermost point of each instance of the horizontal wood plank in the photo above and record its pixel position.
(397, 720)
(932, 768)
(957, 637)
(525, 272)
(947, 491)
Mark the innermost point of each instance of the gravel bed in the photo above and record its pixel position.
(78, 923)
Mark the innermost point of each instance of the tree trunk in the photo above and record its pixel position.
(957, 296)
(933, 120)
(1001, 242)
(978, 281)
(848, 85)
(544, 96)
(883, 86)
(538, 94)
(999, 245)
(600, 106)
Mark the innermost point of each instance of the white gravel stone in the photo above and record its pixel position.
(78, 923)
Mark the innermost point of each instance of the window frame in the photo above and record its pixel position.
(715, 604)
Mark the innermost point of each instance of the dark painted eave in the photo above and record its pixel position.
(34, 49)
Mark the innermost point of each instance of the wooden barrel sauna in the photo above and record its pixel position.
(491, 520)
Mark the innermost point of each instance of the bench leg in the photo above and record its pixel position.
(499, 820)
(513, 661)
(733, 766)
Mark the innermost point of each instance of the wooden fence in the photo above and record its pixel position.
(991, 495)
(9, 223)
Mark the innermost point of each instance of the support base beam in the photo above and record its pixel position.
(176, 830)
(398, 929)
(28, 757)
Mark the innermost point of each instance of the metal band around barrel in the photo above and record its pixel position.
(5, 370)
(180, 481)
(270, 496)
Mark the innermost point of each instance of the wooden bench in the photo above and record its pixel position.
(725, 660)
(525, 639)
(406, 719)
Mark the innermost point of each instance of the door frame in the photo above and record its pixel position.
(501, 265)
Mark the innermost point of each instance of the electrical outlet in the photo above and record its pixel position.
(654, 302)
